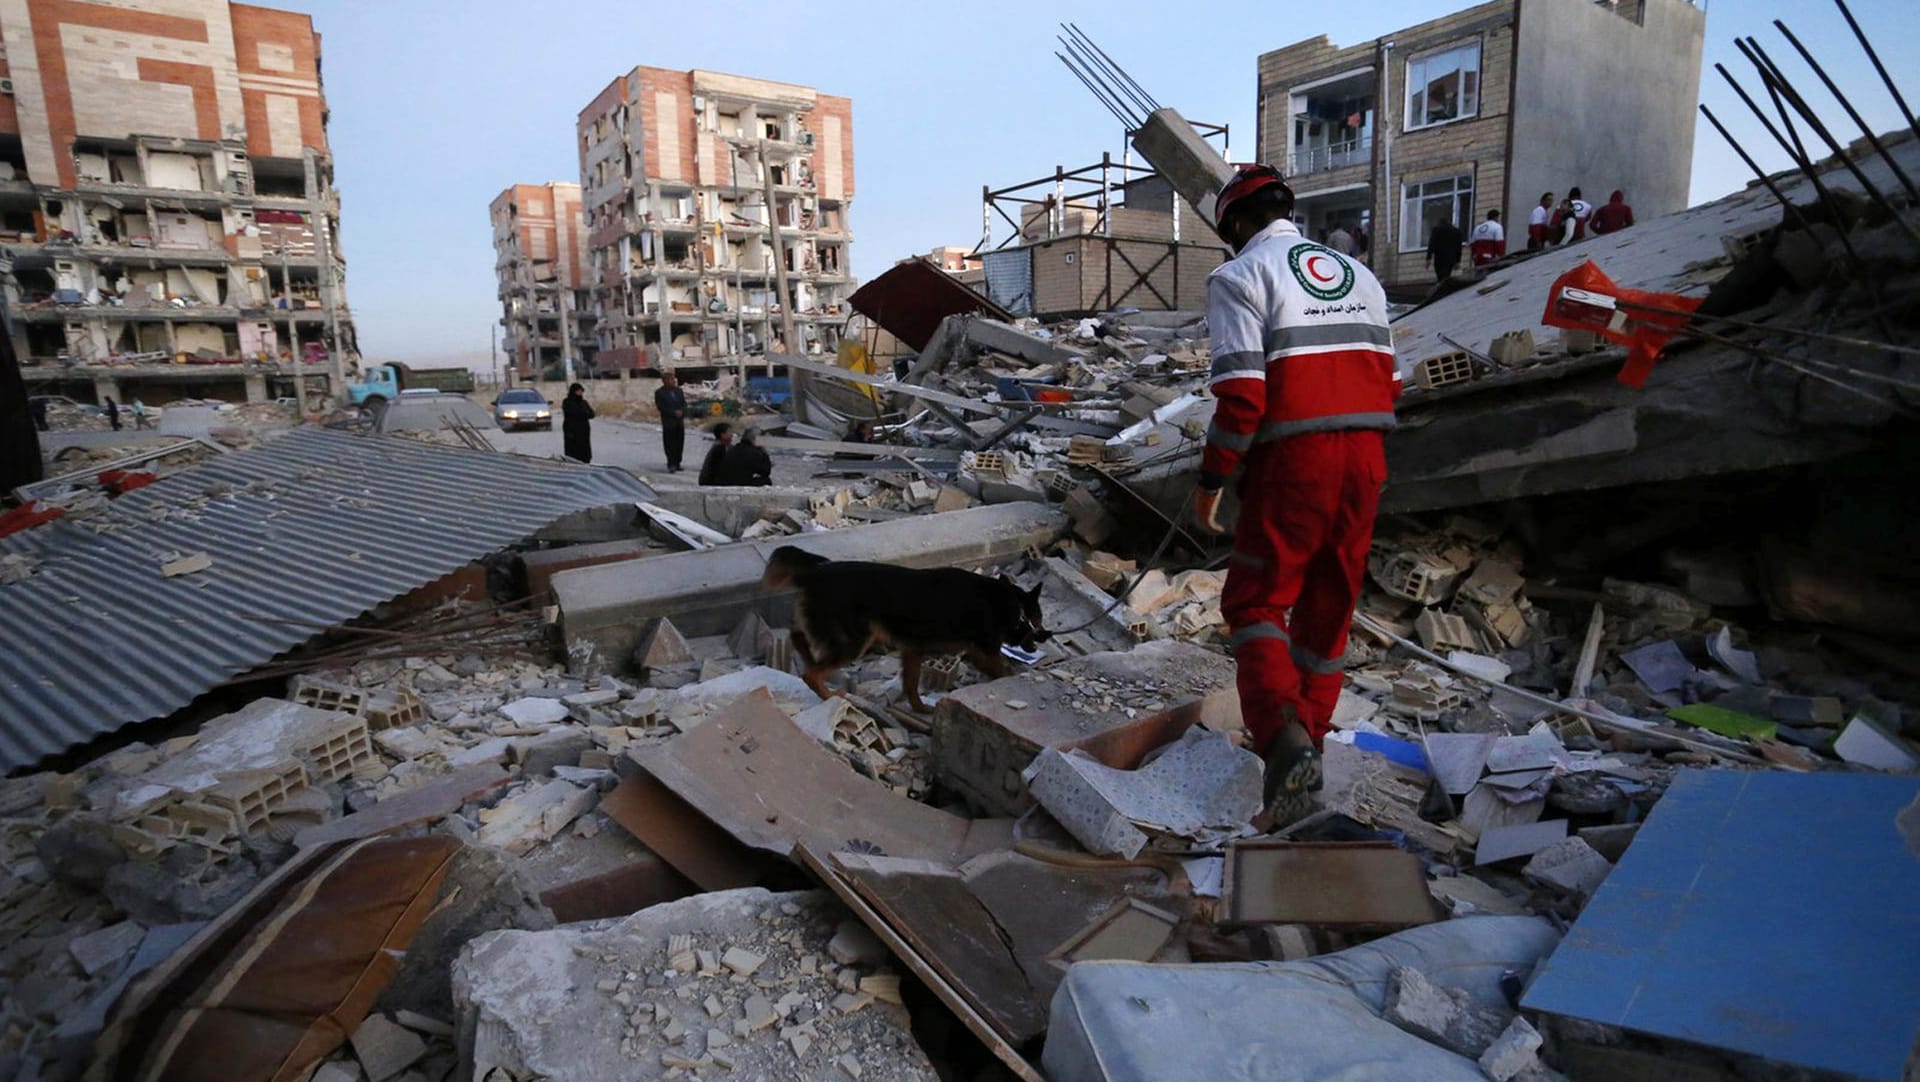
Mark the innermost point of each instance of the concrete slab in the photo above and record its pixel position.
(1115, 706)
(707, 592)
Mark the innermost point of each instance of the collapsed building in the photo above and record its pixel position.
(533, 788)
(547, 312)
(169, 214)
(707, 197)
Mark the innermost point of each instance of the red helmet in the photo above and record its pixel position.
(1247, 179)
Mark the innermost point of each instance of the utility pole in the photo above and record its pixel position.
(493, 353)
(329, 283)
(785, 294)
(566, 329)
(293, 340)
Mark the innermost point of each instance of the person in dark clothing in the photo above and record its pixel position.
(1613, 217)
(38, 407)
(113, 412)
(747, 463)
(671, 401)
(717, 454)
(576, 432)
(1443, 250)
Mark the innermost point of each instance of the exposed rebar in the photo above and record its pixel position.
(1120, 92)
(1874, 56)
(1872, 138)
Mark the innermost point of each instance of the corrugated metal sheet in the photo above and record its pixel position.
(315, 527)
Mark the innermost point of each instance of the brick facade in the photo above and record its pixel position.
(673, 192)
(181, 199)
(540, 266)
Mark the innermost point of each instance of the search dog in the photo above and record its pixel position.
(846, 609)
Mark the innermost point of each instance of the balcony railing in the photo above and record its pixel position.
(1332, 156)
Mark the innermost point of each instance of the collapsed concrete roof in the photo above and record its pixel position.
(302, 534)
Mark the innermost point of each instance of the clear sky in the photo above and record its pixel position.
(439, 104)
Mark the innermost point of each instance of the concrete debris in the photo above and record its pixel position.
(637, 1017)
(1200, 790)
(385, 1048)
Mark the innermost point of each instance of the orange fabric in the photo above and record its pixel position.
(1642, 321)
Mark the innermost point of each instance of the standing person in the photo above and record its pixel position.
(1581, 211)
(747, 463)
(113, 412)
(671, 401)
(1613, 217)
(1562, 225)
(1340, 240)
(1304, 376)
(717, 454)
(1360, 241)
(576, 430)
(1443, 250)
(1537, 224)
(140, 415)
(1489, 240)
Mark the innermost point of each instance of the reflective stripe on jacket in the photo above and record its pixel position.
(1300, 344)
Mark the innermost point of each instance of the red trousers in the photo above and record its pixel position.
(1307, 504)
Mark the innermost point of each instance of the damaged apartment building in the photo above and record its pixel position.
(1484, 109)
(167, 210)
(678, 170)
(545, 308)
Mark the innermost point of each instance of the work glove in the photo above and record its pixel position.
(1206, 509)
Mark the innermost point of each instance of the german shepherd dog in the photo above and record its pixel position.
(845, 609)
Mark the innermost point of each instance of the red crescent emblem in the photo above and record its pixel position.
(1314, 270)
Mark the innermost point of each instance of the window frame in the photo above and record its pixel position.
(1466, 215)
(1406, 113)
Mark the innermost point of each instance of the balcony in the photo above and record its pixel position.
(1320, 159)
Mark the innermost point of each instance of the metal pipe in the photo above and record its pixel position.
(1872, 139)
(1879, 67)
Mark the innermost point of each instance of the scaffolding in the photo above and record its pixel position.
(1099, 189)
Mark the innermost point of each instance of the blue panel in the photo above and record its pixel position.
(1769, 913)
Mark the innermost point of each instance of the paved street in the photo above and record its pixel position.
(635, 446)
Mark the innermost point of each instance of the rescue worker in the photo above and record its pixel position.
(1489, 240)
(1538, 231)
(1303, 370)
(1581, 210)
(1613, 217)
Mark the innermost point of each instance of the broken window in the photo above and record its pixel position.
(1443, 86)
(1427, 204)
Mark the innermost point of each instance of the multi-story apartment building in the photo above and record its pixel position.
(167, 210)
(1485, 109)
(677, 169)
(540, 262)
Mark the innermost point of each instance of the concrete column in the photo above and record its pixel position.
(105, 387)
(256, 387)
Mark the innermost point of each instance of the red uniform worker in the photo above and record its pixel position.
(1303, 370)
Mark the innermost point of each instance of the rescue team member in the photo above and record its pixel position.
(1489, 240)
(1539, 233)
(1303, 370)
